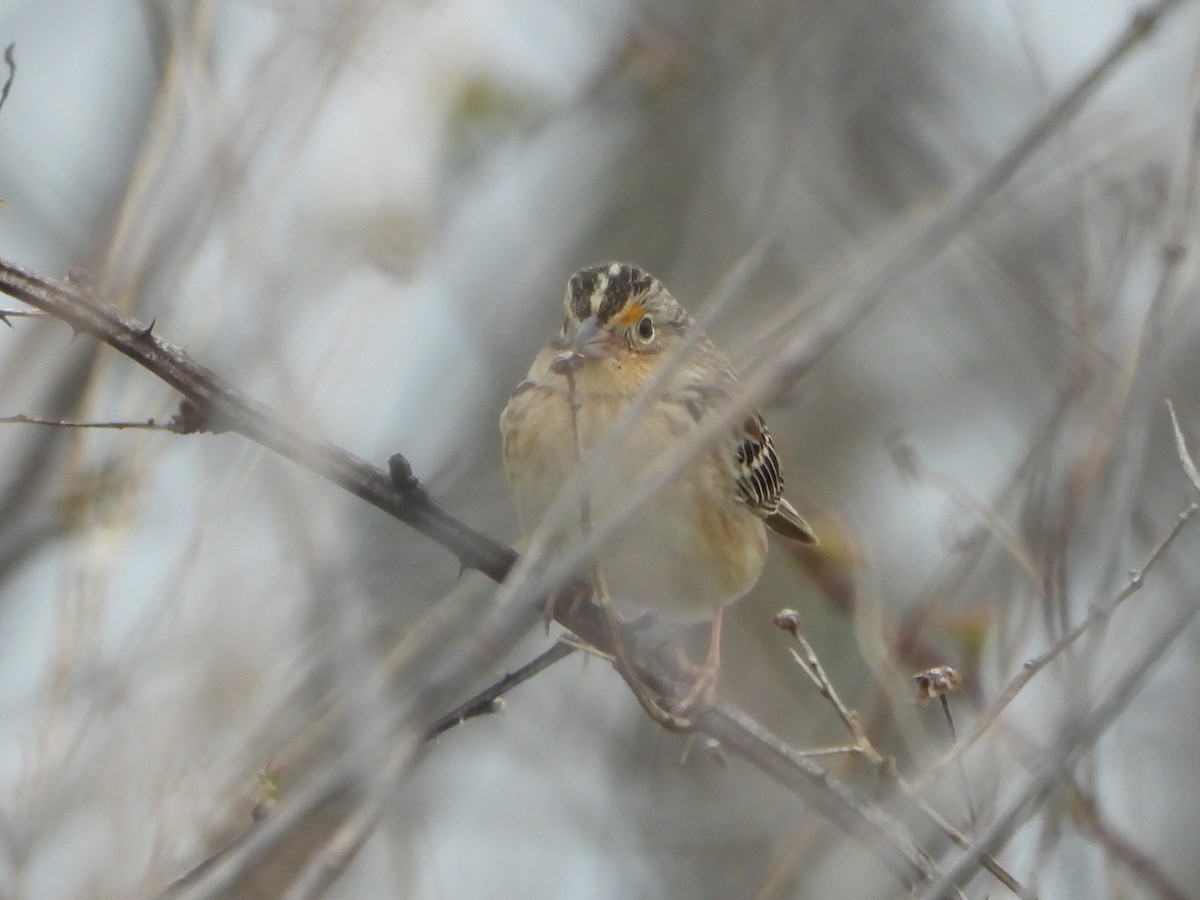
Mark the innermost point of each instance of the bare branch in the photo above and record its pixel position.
(222, 407)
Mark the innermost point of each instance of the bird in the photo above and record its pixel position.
(699, 542)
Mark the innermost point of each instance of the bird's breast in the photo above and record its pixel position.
(686, 548)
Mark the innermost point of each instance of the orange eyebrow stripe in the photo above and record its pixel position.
(630, 314)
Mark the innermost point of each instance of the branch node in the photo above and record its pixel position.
(403, 479)
(194, 417)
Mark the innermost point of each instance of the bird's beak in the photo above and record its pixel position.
(593, 340)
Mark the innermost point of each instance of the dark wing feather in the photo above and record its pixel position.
(760, 483)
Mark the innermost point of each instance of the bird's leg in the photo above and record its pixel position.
(705, 685)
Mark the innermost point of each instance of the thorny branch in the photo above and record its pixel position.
(214, 405)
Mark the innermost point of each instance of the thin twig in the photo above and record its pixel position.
(960, 839)
(213, 876)
(149, 424)
(789, 621)
(811, 666)
(914, 469)
(488, 700)
(340, 849)
(741, 735)
(1181, 450)
(972, 816)
(848, 296)
(6, 314)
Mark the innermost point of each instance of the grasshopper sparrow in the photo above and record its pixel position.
(700, 541)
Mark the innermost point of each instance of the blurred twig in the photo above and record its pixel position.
(1092, 823)
(1181, 449)
(1059, 758)
(848, 296)
(10, 62)
(1100, 614)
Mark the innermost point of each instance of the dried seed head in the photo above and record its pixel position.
(787, 620)
(937, 682)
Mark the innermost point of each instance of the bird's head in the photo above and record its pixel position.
(617, 310)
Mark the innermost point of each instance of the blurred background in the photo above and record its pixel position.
(364, 214)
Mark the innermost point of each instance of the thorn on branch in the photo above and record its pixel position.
(143, 333)
(403, 479)
(8, 314)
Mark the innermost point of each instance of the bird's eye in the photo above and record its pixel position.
(645, 329)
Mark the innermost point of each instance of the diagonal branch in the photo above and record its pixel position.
(219, 406)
